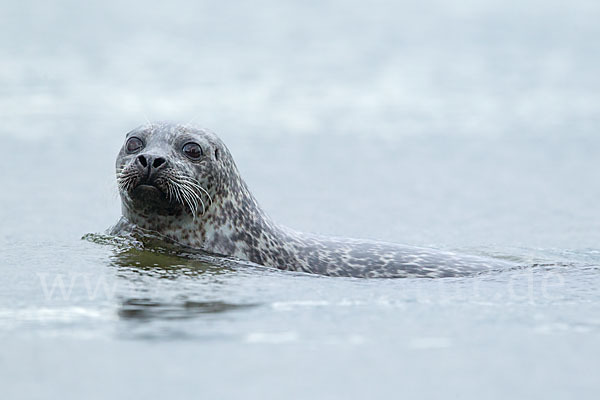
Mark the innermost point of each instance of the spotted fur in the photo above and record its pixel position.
(232, 223)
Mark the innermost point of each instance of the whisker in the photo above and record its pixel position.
(196, 196)
(190, 202)
(196, 184)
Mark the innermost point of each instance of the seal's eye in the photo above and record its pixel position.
(134, 144)
(192, 150)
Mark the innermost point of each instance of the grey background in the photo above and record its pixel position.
(467, 125)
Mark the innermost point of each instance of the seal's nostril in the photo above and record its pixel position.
(158, 161)
(142, 161)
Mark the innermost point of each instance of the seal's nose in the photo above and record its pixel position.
(150, 164)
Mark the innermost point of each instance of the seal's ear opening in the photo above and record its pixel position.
(216, 154)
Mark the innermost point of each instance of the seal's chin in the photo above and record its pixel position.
(150, 199)
(147, 190)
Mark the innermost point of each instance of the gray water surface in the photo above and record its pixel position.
(469, 126)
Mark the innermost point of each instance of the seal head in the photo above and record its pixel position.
(169, 170)
(182, 183)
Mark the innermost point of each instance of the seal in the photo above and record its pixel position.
(181, 182)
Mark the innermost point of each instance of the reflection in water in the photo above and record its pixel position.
(164, 281)
(148, 254)
(164, 265)
(147, 309)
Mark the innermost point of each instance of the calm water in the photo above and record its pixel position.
(469, 125)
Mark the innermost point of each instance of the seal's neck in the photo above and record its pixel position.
(233, 225)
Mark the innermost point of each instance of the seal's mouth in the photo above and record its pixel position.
(153, 199)
(148, 188)
(167, 192)
(151, 186)
(149, 192)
